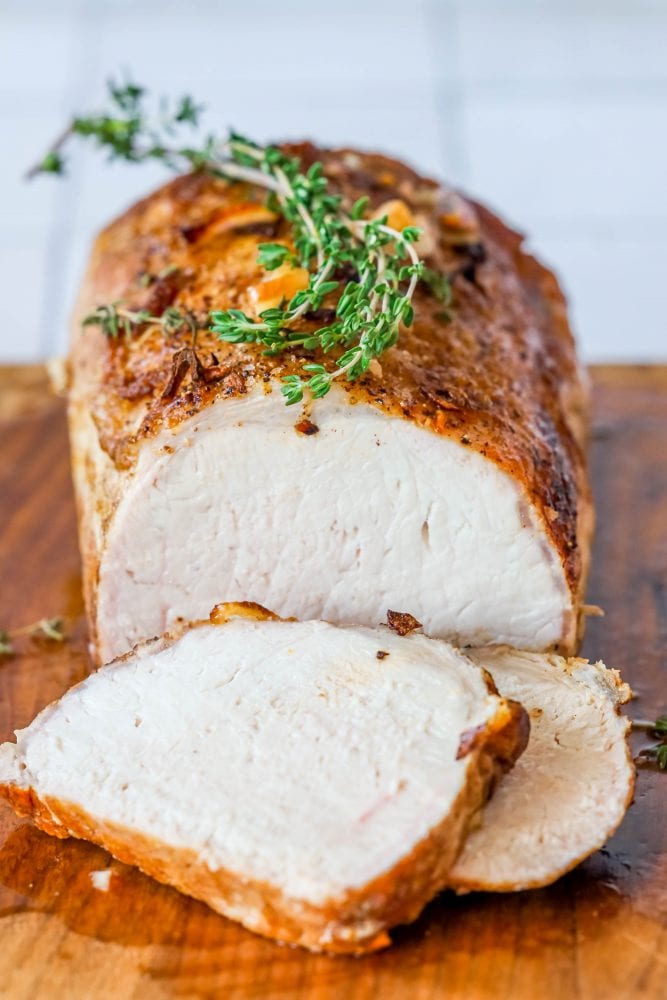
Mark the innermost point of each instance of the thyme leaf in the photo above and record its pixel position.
(273, 255)
(49, 628)
(439, 285)
(658, 752)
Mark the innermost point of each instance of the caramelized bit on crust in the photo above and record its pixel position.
(402, 622)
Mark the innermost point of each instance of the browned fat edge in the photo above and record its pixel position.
(223, 613)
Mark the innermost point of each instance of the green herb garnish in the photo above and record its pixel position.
(49, 628)
(329, 240)
(658, 752)
(115, 319)
(658, 726)
(6, 647)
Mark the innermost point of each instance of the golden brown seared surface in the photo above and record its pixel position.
(498, 372)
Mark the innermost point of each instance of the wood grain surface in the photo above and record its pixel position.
(599, 933)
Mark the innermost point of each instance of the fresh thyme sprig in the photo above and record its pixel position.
(328, 239)
(657, 726)
(115, 319)
(49, 628)
(658, 752)
(369, 311)
(125, 131)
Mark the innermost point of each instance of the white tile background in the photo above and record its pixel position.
(554, 111)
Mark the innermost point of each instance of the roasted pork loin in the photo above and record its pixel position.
(449, 480)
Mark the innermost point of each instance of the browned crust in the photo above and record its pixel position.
(501, 377)
(356, 923)
(402, 622)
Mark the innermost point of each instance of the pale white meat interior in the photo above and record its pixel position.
(369, 513)
(285, 752)
(569, 790)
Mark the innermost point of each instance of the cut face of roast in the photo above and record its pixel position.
(364, 513)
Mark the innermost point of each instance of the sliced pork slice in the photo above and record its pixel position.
(572, 786)
(449, 480)
(314, 783)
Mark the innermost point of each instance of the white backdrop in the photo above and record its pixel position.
(553, 112)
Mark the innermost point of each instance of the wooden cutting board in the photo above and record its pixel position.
(598, 933)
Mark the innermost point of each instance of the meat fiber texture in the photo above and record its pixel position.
(448, 481)
(314, 783)
(572, 786)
